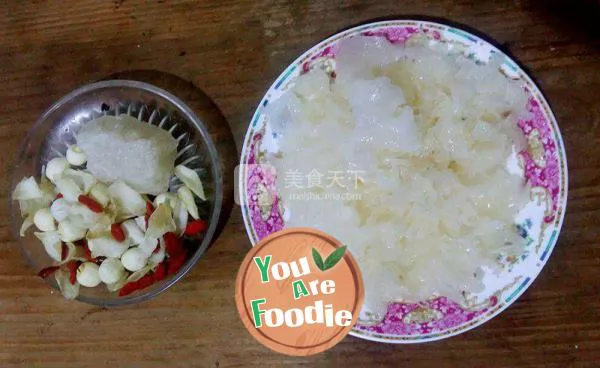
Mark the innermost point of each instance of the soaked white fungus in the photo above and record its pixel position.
(148, 150)
(430, 133)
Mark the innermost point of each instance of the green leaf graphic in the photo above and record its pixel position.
(334, 258)
(317, 258)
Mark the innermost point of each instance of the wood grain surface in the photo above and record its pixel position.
(232, 50)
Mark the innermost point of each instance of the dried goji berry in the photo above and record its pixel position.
(90, 203)
(145, 281)
(117, 232)
(72, 266)
(45, 272)
(195, 227)
(59, 196)
(173, 244)
(160, 272)
(87, 252)
(149, 208)
(149, 211)
(175, 263)
(128, 288)
(64, 251)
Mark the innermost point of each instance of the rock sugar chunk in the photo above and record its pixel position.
(124, 148)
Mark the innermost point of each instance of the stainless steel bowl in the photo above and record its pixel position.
(55, 131)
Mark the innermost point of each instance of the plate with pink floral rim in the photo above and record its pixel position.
(543, 164)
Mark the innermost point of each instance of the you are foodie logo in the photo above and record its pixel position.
(299, 291)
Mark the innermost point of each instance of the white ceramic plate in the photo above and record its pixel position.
(544, 165)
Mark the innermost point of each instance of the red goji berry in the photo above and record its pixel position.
(58, 196)
(175, 263)
(64, 251)
(160, 272)
(45, 272)
(173, 244)
(72, 266)
(117, 232)
(149, 211)
(87, 252)
(145, 281)
(195, 227)
(90, 203)
(149, 208)
(128, 288)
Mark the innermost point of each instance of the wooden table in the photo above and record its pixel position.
(233, 50)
